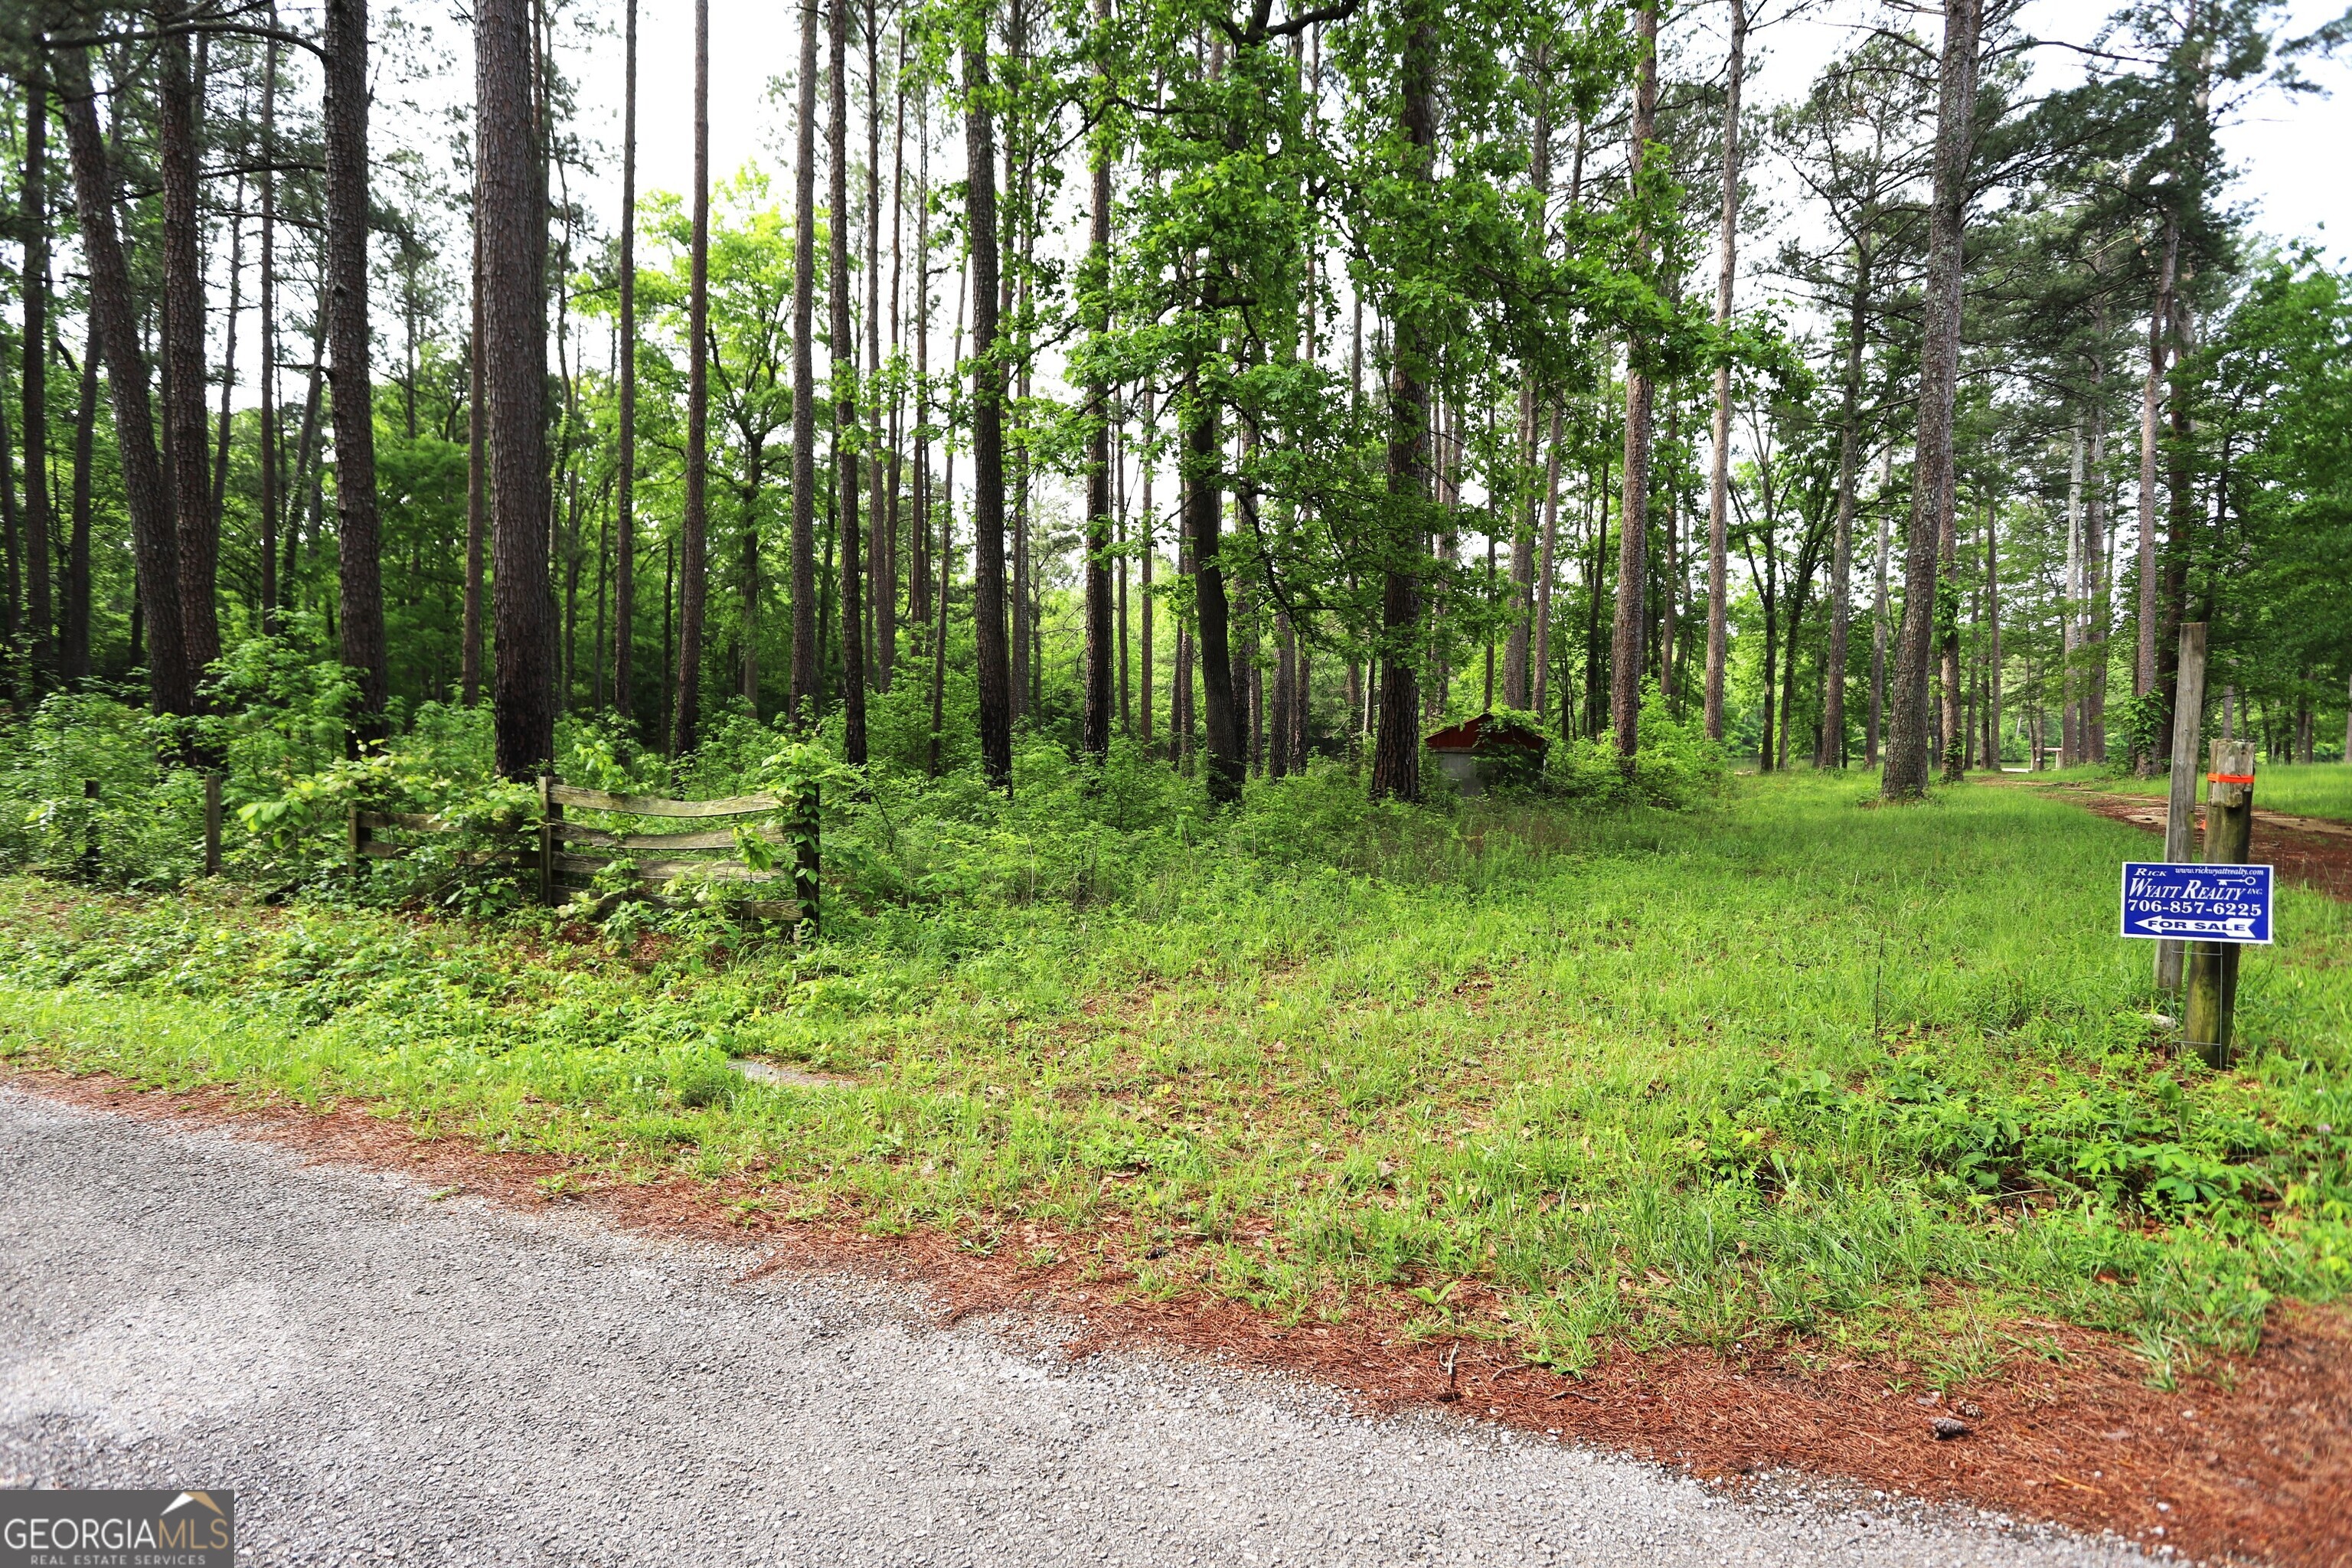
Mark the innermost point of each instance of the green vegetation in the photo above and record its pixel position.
(1781, 1065)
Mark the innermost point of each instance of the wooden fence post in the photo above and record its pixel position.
(355, 842)
(212, 823)
(2180, 809)
(548, 810)
(2212, 999)
(89, 831)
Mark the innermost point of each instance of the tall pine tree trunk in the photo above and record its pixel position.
(987, 423)
(1396, 748)
(359, 570)
(35, 382)
(1842, 551)
(2145, 663)
(806, 691)
(1540, 693)
(186, 444)
(1633, 533)
(881, 566)
(1878, 626)
(1932, 479)
(1516, 684)
(843, 374)
(694, 529)
(269, 334)
(1094, 730)
(229, 351)
(478, 479)
(1718, 490)
(73, 654)
(624, 518)
(114, 322)
(512, 216)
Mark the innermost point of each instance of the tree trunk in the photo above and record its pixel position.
(805, 693)
(1878, 628)
(478, 476)
(358, 570)
(1634, 530)
(2100, 569)
(511, 217)
(1592, 607)
(228, 354)
(35, 382)
(2182, 509)
(694, 528)
(2070, 626)
(1396, 748)
(1094, 729)
(1842, 551)
(188, 446)
(882, 576)
(995, 675)
(73, 657)
(1906, 776)
(2144, 670)
(1220, 699)
(1718, 494)
(170, 685)
(625, 520)
(918, 589)
(269, 501)
(1518, 685)
(841, 369)
(1992, 636)
(1947, 634)
(1144, 520)
(1540, 695)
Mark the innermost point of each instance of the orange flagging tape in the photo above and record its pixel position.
(2229, 778)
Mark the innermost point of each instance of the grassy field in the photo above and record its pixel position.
(1789, 1066)
(2298, 789)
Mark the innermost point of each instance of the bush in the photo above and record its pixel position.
(1675, 766)
(144, 827)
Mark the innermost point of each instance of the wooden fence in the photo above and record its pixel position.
(561, 857)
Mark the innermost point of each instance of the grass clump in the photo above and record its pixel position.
(1778, 1066)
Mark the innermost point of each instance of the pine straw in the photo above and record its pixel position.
(2254, 1467)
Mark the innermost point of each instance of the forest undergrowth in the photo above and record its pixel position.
(1563, 1072)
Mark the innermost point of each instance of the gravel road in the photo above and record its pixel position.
(387, 1379)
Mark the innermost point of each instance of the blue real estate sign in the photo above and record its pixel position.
(2197, 902)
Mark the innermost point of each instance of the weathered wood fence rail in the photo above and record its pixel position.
(560, 856)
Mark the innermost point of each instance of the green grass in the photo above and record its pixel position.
(2296, 789)
(1789, 1066)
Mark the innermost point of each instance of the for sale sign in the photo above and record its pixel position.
(2197, 902)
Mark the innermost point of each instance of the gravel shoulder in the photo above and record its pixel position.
(386, 1376)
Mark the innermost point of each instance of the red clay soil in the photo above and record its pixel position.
(2255, 1467)
(2311, 850)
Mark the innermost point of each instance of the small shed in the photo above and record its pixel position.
(1490, 749)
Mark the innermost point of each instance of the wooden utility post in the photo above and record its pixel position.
(2212, 998)
(212, 823)
(549, 814)
(2181, 811)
